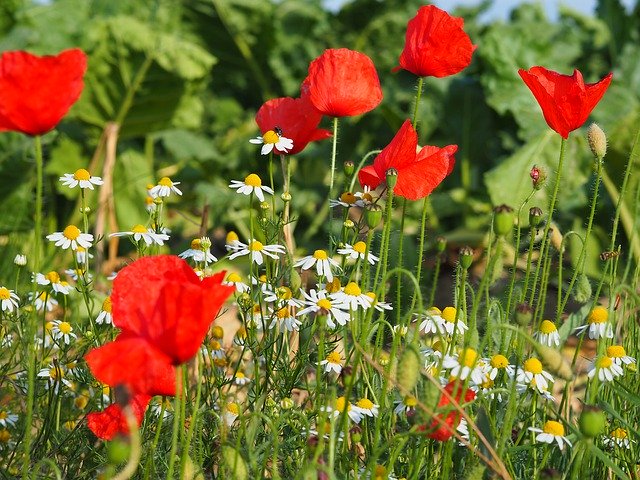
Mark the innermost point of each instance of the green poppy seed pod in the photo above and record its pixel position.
(392, 178)
(582, 292)
(118, 451)
(503, 220)
(465, 257)
(349, 168)
(538, 177)
(524, 314)
(373, 215)
(535, 216)
(234, 465)
(592, 421)
(408, 372)
(441, 244)
(597, 141)
(554, 362)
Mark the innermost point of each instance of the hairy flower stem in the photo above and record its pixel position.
(423, 229)
(400, 262)
(417, 101)
(334, 151)
(381, 270)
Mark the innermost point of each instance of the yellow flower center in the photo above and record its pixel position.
(234, 277)
(53, 277)
(217, 332)
(5, 294)
(449, 314)
(410, 401)
(437, 346)
(165, 182)
(233, 408)
(55, 373)
(352, 289)
(320, 255)
(241, 333)
(48, 326)
(348, 197)
(604, 362)
(547, 327)
(334, 357)
(499, 361)
(5, 436)
(616, 351)
(256, 246)
(71, 232)
(232, 236)
(262, 278)
(533, 365)
(106, 305)
(283, 313)
(64, 327)
(81, 402)
(360, 247)
(270, 137)
(488, 383)
(467, 357)
(220, 362)
(367, 196)
(284, 293)
(380, 472)
(148, 201)
(619, 433)
(196, 244)
(106, 390)
(333, 286)
(240, 375)
(253, 180)
(256, 309)
(324, 303)
(81, 174)
(3, 415)
(341, 403)
(598, 315)
(365, 403)
(139, 229)
(554, 428)
(215, 345)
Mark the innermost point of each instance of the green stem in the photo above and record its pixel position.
(177, 408)
(334, 151)
(423, 228)
(417, 101)
(400, 262)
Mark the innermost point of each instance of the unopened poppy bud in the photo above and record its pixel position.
(554, 362)
(597, 141)
(349, 168)
(535, 216)
(582, 292)
(538, 177)
(592, 421)
(466, 257)
(408, 372)
(392, 178)
(286, 197)
(118, 451)
(503, 220)
(373, 215)
(524, 314)
(441, 244)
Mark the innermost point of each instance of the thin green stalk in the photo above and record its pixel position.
(154, 445)
(423, 228)
(177, 408)
(400, 262)
(334, 151)
(417, 101)
(192, 424)
(384, 247)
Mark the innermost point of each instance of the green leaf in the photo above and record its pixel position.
(607, 461)
(131, 176)
(572, 322)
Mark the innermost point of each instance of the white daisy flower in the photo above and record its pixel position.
(251, 184)
(199, 251)
(533, 371)
(285, 319)
(8, 419)
(597, 324)
(606, 369)
(232, 242)
(463, 430)
(63, 331)
(532, 389)
(44, 301)
(148, 235)
(8, 300)
(322, 262)
(231, 412)
(432, 322)
(379, 306)
(105, 313)
(82, 256)
(341, 403)
(20, 260)
(465, 364)
(53, 278)
(81, 177)
(257, 250)
(318, 302)
(214, 349)
(367, 407)
(547, 334)
(54, 374)
(280, 296)
(358, 252)
(406, 405)
(78, 273)
(71, 237)
(273, 138)
(235, 280)
(333, 362)
(351, 296)
(156, 406)
(551, 432)
(347, 199)
(497, 363)
(451, 323)
(240, 379)
(164, 188)
(618, 354)
(617, 438)
(486, 389)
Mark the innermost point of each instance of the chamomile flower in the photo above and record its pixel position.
(257, 250)
(252, 184)
(8, 300)
(358, 252)
(487, 389)
(150, 204)
(547, 334)
(606, 369)
(379, 306)
(318, 302)
(280, 296)
(63, 331)
(551, 432)
(199, 250)
(432, 321)
(496, 364)
(235, 280)
(532, 389)
(72, 237)
(322, 262)
(53, 278)
(465, 364)
(82, 256)
(618, 354)
(231, 412)
(341, 404)
(147, 235)
(214, 349)
(532, 370)
(597, 324)
(333, 362)
(451, 323)
(241, 379)
(55, 376)
(273, 139)
(82, 178)
(346, 199)
(406, 405)
(164, 188)
(351, 296)
(8, 419)
(617, 438)
(285, 319)
(367, 407)
(232, 242)
(161, 405)
(44, 301)
(105, 313)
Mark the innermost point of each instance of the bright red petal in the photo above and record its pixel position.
(400, 152)
(369, 177)
(420, 178)
(36, 92)
(111, 421)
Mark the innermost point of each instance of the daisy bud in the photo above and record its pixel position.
(392, 178)
(524, 314)
(88, 334)
(408, 372)
(538, 177)
(287, 403)
(373, 215)
(205, 243)
(592, 421)
(554, 362)
(264, 206)
(349, 168)
(348, 223)
(503, 220)
(157, 200)
(441, 244)
(466, 257)
(535, 216)
(20, 260)
(234, 464)
(245, 302)
(286, 197)
(597, 141)
(582, 292)
(217, 332)
(85, 210)
(118, 451)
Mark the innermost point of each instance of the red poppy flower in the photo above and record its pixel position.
(164, 311)
(566, 101)
(36, 92)
(444, 431)
(419, 172)
(435, 44)
(296, 117)
(343, 83)
(111, 421)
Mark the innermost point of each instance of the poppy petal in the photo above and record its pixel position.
(111, 421)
